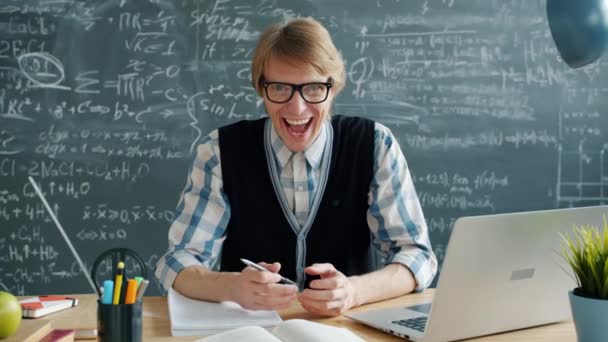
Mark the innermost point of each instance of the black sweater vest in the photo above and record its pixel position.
(258, 229)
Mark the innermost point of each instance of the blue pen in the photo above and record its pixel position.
(108, 289)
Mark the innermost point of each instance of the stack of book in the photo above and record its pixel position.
(39, 306)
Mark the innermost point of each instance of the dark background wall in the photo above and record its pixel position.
(103, 103)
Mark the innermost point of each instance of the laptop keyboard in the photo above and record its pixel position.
(417, 323)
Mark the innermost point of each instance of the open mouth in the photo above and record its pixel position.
(297, 127)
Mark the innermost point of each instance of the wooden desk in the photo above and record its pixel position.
(156, 321)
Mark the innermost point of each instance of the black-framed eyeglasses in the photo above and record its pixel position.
(313, 92)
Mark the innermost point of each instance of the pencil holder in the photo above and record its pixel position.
(120, 322)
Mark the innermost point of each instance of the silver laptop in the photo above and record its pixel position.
(501, 272)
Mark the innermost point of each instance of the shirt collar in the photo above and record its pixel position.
(313, 153)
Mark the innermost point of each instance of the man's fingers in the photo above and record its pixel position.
(335, 282)
(274, 267)
(274, 289)
(324, 270)
(322, 295)
(262, 277)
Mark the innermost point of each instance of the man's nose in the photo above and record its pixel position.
(297, 104)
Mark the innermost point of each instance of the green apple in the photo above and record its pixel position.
(10, 314)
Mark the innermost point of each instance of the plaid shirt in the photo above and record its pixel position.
(394, 216)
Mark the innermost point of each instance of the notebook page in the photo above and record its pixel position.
(243, 334)
(299, 330)
(190, 314)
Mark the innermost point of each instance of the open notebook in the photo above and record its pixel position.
(190, 317)
(293, 330)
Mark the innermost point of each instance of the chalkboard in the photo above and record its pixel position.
(104, 102)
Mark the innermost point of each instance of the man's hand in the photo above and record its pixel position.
(259, 290)
(331, 295)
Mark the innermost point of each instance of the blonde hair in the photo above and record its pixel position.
(302, 40)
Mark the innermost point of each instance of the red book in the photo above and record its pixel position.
(59, 335)
(39, 306)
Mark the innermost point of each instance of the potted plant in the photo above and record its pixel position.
(587, 253)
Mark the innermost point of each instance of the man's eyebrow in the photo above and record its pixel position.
(284, 82)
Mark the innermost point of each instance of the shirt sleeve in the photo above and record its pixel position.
(395, 216)
(201, 217)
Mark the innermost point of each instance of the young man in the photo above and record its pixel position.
(299, 192)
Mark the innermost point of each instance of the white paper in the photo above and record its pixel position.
(299, 330)
(243, 334)
(191, 317)
(293, 330)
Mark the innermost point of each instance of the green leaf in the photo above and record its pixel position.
(586, 251)
(604, 290)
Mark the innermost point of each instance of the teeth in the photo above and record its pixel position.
(298, 122)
